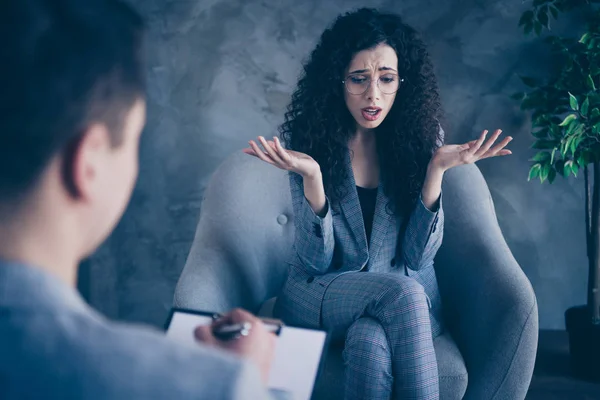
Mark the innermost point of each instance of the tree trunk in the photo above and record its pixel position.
(594, 251)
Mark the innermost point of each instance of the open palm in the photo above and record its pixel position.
(273, 153)
(452, 155)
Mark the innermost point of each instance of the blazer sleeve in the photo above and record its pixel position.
(314, 240)
(423, 235)
(424, 232)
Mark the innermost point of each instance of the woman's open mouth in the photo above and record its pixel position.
(371, 113)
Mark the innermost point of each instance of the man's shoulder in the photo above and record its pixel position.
(84, 354)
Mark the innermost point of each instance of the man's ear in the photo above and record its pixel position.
(82, 160)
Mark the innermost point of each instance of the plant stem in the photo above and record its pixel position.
(588, 213)
(594, 270)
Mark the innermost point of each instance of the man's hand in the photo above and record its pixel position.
(258, 346)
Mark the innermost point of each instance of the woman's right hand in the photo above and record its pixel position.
(273, 153)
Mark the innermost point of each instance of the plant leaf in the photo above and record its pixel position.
(573, 145)
(585, 106)
(545, 170)
(534, 171)
(595, 113)
(537, 26)
(526, 18)
(573, 102)
(552, 156)
(572, 126)
(567, 168)
(568, 119)
(542, 16)
(541, 156)
(584, 39)
(554, 12)
(544, 144)
(590, 83)
(551, 175)
(541, 134)
(529, 81)
(574, 169)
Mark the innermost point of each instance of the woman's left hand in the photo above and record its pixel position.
(453, 155)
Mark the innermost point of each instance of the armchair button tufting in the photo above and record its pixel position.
(310, 279)
(393, 262)
(282, 219)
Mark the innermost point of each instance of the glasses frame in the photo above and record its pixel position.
(400, 81)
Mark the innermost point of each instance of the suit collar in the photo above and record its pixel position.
(27, 287)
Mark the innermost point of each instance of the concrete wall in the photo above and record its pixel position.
(221, 72)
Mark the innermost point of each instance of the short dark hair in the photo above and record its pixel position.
(65, 64)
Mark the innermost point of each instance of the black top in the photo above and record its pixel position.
(367, 198)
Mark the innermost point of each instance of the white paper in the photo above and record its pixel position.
(297, 353)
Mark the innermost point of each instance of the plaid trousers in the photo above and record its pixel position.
(389, 343)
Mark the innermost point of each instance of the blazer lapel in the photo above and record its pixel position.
(350, 206)
(382, 221)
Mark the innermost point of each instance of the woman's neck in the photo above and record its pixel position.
(365, 162)
(363, 142)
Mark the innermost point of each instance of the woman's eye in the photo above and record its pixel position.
(357, 79)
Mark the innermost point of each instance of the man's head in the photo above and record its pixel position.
(71, 112)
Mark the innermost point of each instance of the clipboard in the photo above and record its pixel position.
(299, 358)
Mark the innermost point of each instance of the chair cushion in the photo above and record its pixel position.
(451, 367)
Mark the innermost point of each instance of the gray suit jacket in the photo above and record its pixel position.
(337, 243)
(53, 346)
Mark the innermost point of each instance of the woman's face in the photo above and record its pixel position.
(371, 84)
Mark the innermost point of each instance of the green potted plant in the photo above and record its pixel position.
(565, 119)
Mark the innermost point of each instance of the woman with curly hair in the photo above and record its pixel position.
(366, 158)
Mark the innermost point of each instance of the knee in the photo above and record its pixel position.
(366, 335)
(404, 291)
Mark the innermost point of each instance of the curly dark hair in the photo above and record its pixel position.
(318, 123)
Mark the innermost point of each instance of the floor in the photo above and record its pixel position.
(552, 379)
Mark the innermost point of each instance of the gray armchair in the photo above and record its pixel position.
(246, 231)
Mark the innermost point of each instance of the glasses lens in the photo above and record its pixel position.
(389, 83)
(357, 84)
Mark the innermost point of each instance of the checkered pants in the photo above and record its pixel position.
(389, 345)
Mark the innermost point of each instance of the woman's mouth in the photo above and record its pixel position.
(371, 113)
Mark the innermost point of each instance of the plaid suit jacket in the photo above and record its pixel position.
(335, 244)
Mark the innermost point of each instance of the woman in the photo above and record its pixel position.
(364, 148)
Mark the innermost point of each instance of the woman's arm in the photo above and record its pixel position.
(423, 236)
(314, 240)
(424, 231)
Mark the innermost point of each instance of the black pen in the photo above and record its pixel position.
(234, 331)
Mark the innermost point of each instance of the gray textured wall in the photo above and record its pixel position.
(221, 72)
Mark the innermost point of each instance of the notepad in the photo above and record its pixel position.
(298, 358)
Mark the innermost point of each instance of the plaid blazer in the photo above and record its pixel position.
(335, 244)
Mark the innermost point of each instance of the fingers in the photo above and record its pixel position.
(268, 148)
(499, 148)
(478, 142)
(281, 151)
(235, 316)
(204, 334)
(259, 153)
(486, 145)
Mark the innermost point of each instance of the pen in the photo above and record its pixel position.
(234, 331)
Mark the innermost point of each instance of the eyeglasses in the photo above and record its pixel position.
(359, 84)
